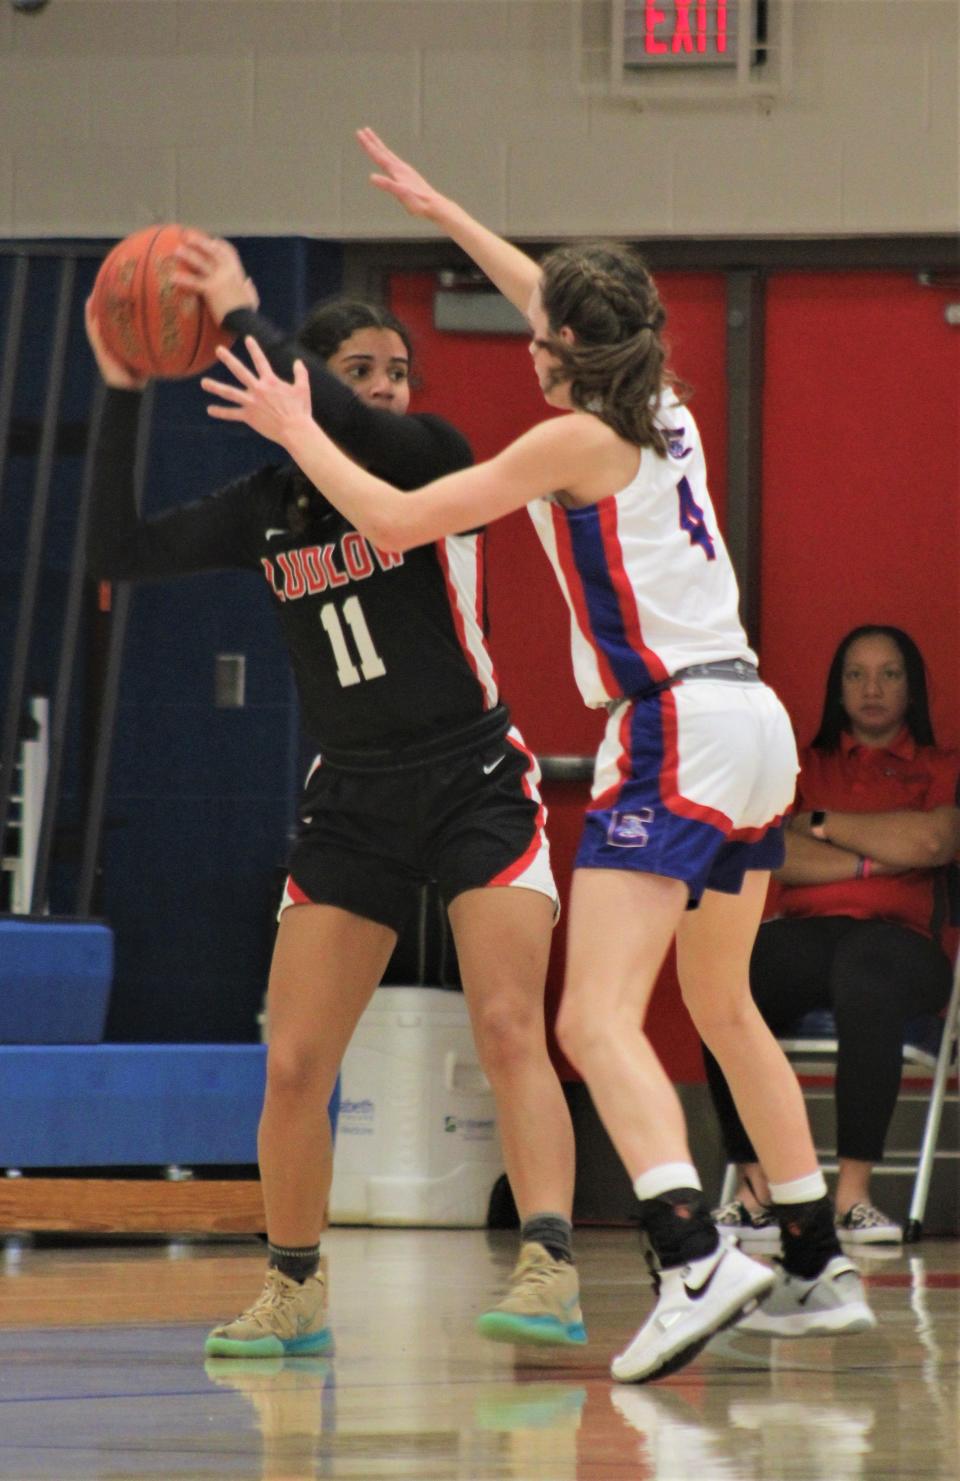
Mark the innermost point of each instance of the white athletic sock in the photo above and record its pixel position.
(800, 1190)
(665, 1178)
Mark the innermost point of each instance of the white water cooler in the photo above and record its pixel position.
(417, 1140)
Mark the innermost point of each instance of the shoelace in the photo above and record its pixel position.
(270, 1299)
(788, 1275)
(537, 1275)
(653, 1265)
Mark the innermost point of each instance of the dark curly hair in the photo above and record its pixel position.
(329, 324)
(616, 367)
(834, 719)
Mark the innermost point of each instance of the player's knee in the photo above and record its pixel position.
(579, 1034)
(296, 1071)
(716, 1016)
(505, 1034)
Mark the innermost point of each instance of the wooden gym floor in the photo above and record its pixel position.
(102, 1376)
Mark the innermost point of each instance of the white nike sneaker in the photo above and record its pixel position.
(694, 1302)
(833, 1302)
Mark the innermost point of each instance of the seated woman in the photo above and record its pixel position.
(862, 908)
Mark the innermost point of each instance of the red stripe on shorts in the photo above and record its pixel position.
(578, 602)
(514, 870)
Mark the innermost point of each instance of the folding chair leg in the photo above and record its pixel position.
(931, 1130)
(729, 1183)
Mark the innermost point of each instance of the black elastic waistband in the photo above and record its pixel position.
(484, 731)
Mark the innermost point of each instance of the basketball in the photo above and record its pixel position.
(148, 322)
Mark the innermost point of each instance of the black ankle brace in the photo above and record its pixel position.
(678, 1226)
(809, 1236)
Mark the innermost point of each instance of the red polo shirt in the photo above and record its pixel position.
(855, 778)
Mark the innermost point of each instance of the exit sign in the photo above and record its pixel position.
(687, 33)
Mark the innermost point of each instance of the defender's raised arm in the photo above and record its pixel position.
(513, 272)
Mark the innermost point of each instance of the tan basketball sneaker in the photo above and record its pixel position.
(287, 1319)
(542, 1305)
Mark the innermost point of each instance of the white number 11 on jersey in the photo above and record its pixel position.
(371, 664)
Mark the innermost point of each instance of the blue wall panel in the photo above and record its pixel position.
(124, 1105)
(55, 979)
(201, 801)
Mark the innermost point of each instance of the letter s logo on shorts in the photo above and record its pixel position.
(629, 829)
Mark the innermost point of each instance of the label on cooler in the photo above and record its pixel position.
(470, 1129)
(356, 1117)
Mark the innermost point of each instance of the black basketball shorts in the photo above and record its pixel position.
(369, 840)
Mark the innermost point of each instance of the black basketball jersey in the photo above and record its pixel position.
(388, 649)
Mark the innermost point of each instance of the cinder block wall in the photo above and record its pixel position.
(239, 114)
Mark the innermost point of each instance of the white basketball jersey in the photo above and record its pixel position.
(645, 572)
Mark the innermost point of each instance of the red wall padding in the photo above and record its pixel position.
(861, 474)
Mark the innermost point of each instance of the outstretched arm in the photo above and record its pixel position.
(209, 534)
(551, 456)
(513, 272)
(408, 450)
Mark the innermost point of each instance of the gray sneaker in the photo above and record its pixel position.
(830, 1304)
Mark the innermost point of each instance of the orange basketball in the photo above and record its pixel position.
(148, 322)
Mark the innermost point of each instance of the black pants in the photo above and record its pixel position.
(874, 976)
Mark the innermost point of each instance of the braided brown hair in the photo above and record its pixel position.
(616, 367)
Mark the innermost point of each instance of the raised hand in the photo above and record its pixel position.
(114, 372)
(415, 194)
(513, 272)
(211, 267)
(275, 408)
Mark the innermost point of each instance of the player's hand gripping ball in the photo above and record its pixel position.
(148, 322)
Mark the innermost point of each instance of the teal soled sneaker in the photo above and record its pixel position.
(286, 1320)
(830, 1304)
(542, 1306)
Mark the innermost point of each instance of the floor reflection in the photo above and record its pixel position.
(410, 1392)
(293, 1403)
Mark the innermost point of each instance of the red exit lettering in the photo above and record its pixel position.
(685, 26)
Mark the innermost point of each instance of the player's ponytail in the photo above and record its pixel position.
(616, 366)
